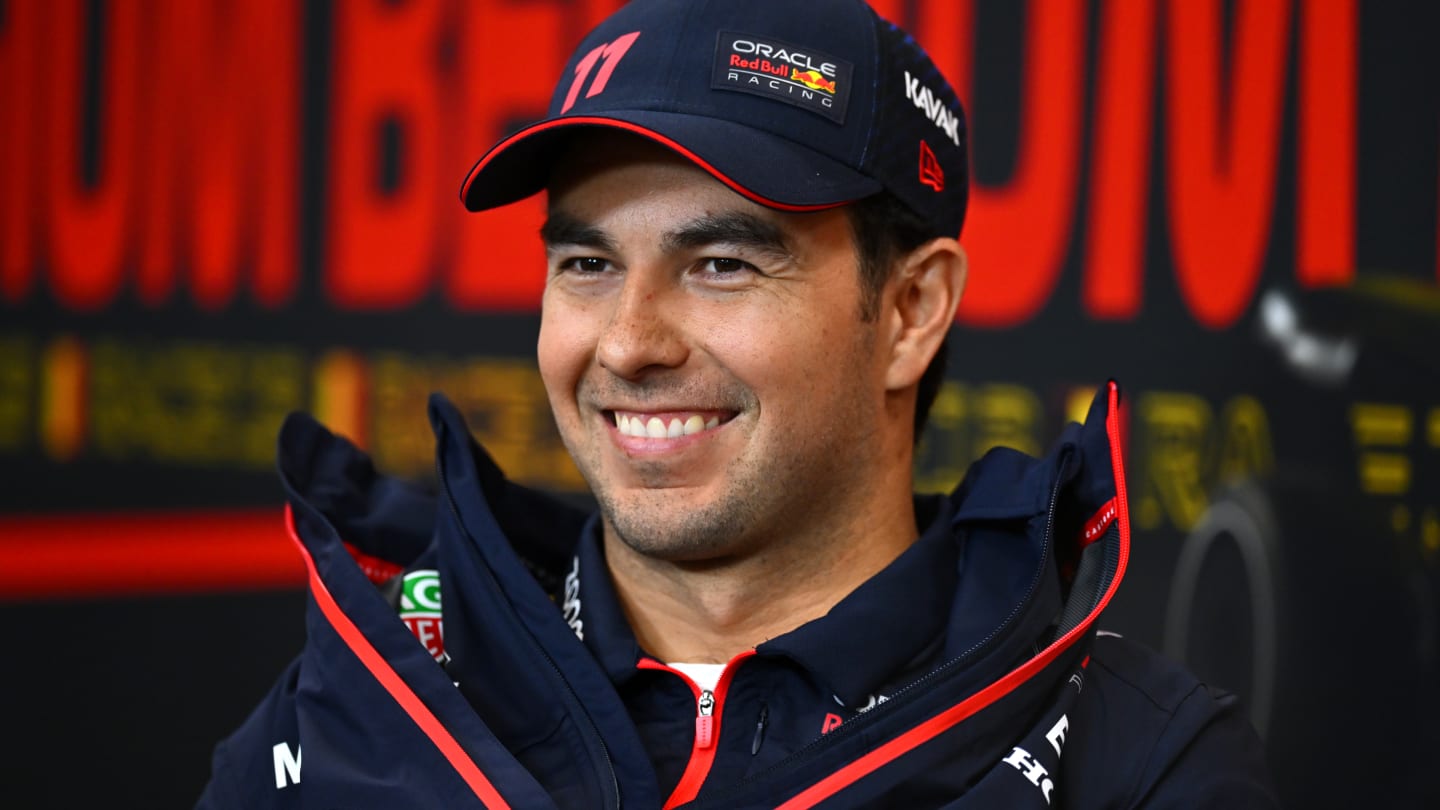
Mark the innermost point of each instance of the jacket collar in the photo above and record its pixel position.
(606, 630)
(919, 607)
(889, 625)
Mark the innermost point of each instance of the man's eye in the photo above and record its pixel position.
(585, 264)
(723, 266)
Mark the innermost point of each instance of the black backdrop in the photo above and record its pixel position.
(158, 315)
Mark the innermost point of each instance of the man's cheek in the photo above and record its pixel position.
(560, 361)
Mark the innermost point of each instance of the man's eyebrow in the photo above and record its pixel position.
(562, 229)
(734, 228)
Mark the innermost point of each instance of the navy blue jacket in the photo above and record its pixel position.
(969, 673)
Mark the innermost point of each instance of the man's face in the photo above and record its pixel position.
(704, 356)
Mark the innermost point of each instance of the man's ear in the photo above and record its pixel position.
(925, 291)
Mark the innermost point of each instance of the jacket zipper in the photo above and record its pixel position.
(905, 693)
(704, 721)
(578, 705)
(709, 709)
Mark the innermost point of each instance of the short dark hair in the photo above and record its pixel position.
(885, 230)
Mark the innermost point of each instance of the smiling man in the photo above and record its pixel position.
(752, 266)
(740, 406)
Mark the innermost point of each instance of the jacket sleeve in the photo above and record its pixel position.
(1155, 736)
(259, 765)
(1207, 756)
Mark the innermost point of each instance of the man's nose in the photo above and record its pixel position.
(642, 333)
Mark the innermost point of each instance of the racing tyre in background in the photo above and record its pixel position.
(1303, 602)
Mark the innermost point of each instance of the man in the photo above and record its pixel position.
(752, 267)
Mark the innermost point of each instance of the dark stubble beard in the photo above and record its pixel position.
(781, 494)
(795, 488)
(653, 529)
(649, 528)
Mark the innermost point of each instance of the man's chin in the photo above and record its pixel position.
(664, 503)
(680, 531)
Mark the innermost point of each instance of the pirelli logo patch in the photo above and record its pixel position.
(786, 72)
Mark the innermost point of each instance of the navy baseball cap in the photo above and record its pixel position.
(799, 106)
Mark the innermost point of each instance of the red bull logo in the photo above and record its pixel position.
(813, 80)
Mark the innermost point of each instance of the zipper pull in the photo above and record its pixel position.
(759, 729)
(704, 722)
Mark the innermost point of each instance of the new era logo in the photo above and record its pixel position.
(930, 172)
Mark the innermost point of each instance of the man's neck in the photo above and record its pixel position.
(707, 612)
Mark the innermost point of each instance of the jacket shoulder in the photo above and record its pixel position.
(253, 767)
(1155, 736)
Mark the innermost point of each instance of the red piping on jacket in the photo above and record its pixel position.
(388, 678)
(947, 719)
(702, 754)
(646, 133)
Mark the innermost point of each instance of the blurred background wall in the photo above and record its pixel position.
(213, 213)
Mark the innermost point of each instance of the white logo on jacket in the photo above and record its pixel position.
(287, 765)
(571, 607)
(1031, 768)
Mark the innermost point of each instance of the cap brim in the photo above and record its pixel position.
(761, 166)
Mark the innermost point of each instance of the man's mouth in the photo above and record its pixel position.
(668, 425)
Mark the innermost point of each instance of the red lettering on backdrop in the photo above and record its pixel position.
(946, 29)
(20, 40)
(510, 63)
(222, 145)
(1114, 267)
(1326, 185)
(1017, 233)
(172, 62)
(253, 90)
(87, 225)
(381, 245)
(1222, 178)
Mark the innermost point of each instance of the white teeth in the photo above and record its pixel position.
(656, 428)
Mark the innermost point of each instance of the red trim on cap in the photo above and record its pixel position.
(391, 680)
(924, 732)
(590, 120)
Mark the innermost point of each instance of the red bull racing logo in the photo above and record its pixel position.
(783, 71)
